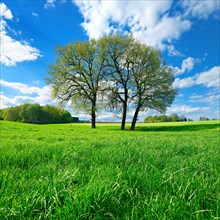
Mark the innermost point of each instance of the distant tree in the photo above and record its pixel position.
(77, 75)
(36, 114)
(31, 113)
(174, 117)
(12, 113)
(204, 119)
(23, 114)
(189, 119)
(182, 118)
(1, 114)
(54, 114)
(149, 119)
(165, 118)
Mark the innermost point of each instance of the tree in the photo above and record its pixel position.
(174, 117)
(12, 113)
(149, 119)
(151, 80)
(204, 119)
(182, 118)
(52, 114)
(36, 114)
(77, 75)
(1, 114)
(118, 68)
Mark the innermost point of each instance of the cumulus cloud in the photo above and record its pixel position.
(187, 65)
(13, 51)
(200, 9)
(183, 109)
(184, 83)
(5, 12)
(211, 99)
(210, 78)
(31, 94)
(23, 88)
(173, 52)
(148, 21)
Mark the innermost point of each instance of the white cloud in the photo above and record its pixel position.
(211, 99)
(14, 51)
(35, 14)
(49, 3)
(5, 12)
(184, 109)
(38, 95)
(200, 9)
(187, 65)
(184, 83)
(210, 78)
(173, 52)
(147, 20)
(23, 88)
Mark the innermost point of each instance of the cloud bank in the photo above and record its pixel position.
(148, 21)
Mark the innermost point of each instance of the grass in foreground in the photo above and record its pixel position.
(159, 171)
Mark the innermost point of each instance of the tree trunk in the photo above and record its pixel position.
(124, 113)
(134, 120)
(124, 110)
(93, 116)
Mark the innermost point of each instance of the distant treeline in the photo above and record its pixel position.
(36, 114)
(165, 118)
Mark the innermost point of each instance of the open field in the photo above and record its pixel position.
(69, 171)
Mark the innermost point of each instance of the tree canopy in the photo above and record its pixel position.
(36, 114)
(165, 118)
(77, 74)
(124, 72)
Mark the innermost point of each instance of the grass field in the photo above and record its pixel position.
(69, 171)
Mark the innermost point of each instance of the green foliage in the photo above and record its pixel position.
(12, 113)
(164, 118)
(1, 114)
(77, 74)
(31, 113)
(36, 114)
(115, 70)
(159, 171)
(204, 119)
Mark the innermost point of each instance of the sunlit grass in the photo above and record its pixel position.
(159, 171)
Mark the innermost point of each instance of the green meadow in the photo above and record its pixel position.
(70, 171)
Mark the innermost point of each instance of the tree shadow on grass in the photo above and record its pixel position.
(196, 127)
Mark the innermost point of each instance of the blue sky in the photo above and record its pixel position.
(187, 33)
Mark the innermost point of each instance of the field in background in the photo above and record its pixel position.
(69, 171)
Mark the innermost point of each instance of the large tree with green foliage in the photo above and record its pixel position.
(77, 75)
(131, 74)
(139, 80)
(118, 67)
(151, 80)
